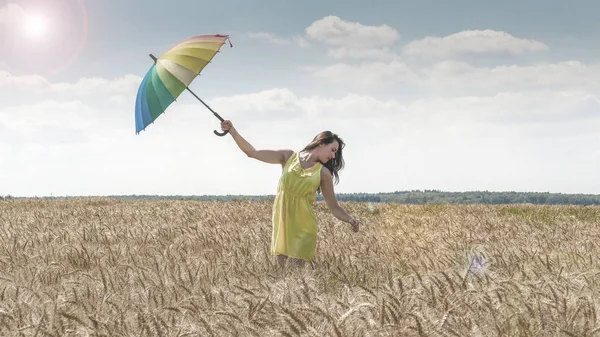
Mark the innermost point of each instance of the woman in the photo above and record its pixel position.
(305, 173)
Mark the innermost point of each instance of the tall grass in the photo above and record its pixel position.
(101, 267)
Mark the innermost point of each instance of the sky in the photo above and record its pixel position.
(454, 96)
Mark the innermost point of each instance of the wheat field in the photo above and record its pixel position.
(104, 267)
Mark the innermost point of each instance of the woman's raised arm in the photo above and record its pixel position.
(267, 156)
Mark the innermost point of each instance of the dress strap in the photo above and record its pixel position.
(290, 160)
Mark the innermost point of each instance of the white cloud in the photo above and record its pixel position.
(357, 108)
(23, 81)
(113, 89)
(507, 127)
(11, 14)
(382, 54)
(332, 30)
(566, 74)
(48, 121)
(545, 107)
(355, 40)
(270, 104)
(518, 141)
(5, 150)
(269, 37)
(301, 41)
(472, 42)
(127, 84)
(31, 151)
(272, 38)
(284, 105)
(455, 77)
(514, 108)
(364, 75)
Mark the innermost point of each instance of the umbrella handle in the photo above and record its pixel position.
(221, 134)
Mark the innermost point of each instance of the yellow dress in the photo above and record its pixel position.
(294, 221)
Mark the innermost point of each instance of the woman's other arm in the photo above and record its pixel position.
(329, 196)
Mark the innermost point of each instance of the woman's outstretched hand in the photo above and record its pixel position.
(226, 125)
(355, 224)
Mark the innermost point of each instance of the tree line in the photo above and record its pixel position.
(475, 197)
(409, 197)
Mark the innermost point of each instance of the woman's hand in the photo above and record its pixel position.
(355, 224)
(226, 125)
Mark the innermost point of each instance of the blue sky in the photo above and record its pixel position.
(461, 95)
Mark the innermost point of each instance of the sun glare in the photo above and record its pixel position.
(35, 25)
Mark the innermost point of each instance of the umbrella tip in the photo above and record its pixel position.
(226, 36)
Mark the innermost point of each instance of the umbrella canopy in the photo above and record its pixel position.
(171, 74)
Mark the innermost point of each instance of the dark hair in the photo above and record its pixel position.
(334, 165)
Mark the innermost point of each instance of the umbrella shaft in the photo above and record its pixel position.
(206, 105)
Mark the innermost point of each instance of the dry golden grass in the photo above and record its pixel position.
(99, 267)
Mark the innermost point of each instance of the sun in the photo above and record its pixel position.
(35, 25)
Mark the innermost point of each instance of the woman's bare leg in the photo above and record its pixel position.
(293, 262)
(283, 261)
(280, 260)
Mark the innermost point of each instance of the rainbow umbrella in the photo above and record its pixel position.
(171, 74)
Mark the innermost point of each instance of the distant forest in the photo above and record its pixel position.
(475, 197)
(415, 197)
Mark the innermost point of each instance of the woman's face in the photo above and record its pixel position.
(328, 151)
